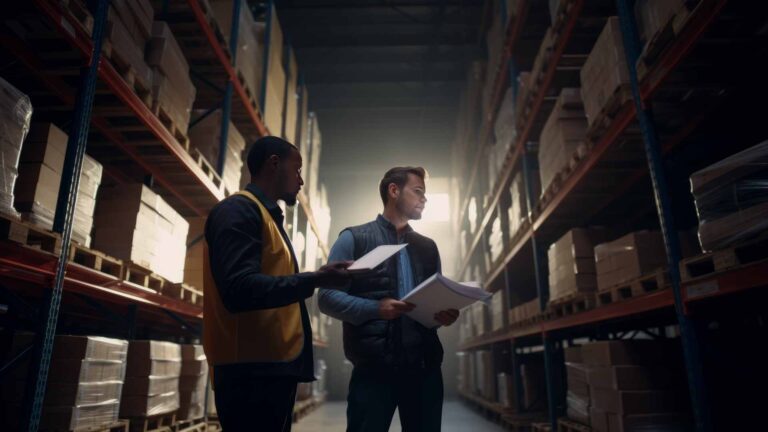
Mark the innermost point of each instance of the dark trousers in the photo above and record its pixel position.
(254, 403)
(375, 393)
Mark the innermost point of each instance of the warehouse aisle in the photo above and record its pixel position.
(457, 417)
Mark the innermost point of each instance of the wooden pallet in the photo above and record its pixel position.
(571, 304)
(612, 107)
(28, 235)
(96, 260)
(80, 13)
(158, 423)
(196, 425)
(566, 425)
(183, 292)
(651, 282)
(179, 132)
(541, 427)
(142, 276)
(126, 70)
(118, 426)
(727, 259)
(207, 168)
(562, 176)
(214, 425)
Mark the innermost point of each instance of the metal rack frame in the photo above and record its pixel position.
(677, 299)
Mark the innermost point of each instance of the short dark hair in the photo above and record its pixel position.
(398, 176)
(265, 147)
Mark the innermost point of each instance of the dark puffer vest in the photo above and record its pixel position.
(402, 342)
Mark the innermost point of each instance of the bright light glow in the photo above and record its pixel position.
(437, 209)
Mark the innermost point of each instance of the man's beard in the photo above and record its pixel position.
(410, 214)
(290, 199)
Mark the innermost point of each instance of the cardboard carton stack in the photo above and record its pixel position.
(629, 257)
(152, 379)
(635, 385)
(172, 90)
(465, 370)
(84, 382)
(486, 377)
(652, 15)
(192, 384)
(534, 385)
(129, 30)
(15, 115)
(206, 137)
(193, 264)
(249, 59)
(496, 239)
(563, 132)
(731, 205)
(506, 386)
(577, 398)
(135, 224)
(504, 128)
(572, 262)
(605, 70)
(40, 169)
(499, 310)
(274, 100)
(480, 319)
(312, 181)
(518, 208)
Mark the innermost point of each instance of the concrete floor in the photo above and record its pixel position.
(457, 417)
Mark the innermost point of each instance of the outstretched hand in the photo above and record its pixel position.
(447, 317)
(334, 273)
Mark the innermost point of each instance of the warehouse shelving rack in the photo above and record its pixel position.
(27, 273)
(570, 206)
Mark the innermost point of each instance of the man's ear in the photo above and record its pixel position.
(274, 161)
(393, 190)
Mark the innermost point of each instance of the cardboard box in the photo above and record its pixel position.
(499, 310)
(577, 407)
(149, 405)
(206, 136)
(653, 15)
(77, 394)
(190, 383)
(191, 406)
(89, 347)
(534, 391)
(629, 378)
(572, 264)
(605, 70)
(79, 417)
(150, 385)
(136, 16)
(578, 384)
(506, 386)
(629, 257)
(563, 132)
(573, 354)
(486, 379)
(154, 358)
(635, 402)
(625, 352)
(85, 371)
(128, 47)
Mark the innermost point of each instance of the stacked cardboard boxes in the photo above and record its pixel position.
(15, 115)
(605, 70)
(274, 100)
(249, 59)
(129, 30)
(135, 224)
(629, 257)
(192, 384)
(634, 385)
(499, 310)
(506, 386)
(40, 168)
(486, 376)
(496, 239)
(481, 320)
(172, 90)
(731, 205)
(524, 311)
(84, 382)
(152, 379)
(534, 385)
(653, 15)
(572, 262)
(578, 400)
(465, 370)
(193, 264)
(206, 137)
(504, 128)
(312, 182)
(563, 132)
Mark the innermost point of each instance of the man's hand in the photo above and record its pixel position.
(334, 274)
(447, 317)
(390, 308)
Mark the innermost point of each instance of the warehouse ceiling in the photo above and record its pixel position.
(384, 78)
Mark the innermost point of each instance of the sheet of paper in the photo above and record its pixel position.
(375, 257)
(438, 293)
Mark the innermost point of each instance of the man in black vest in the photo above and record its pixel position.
(396, 360)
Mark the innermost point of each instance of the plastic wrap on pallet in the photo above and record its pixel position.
(731, 198)
(81, 416)
(153, 359)
(149, 405)
(90, 180)
(506, 387)
(90, 347)
(15, 115)
(577, 408)
(562, 134)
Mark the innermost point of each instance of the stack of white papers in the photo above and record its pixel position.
(438, 293)
(375, 257)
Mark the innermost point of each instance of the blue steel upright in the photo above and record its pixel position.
(688, 334)
(62, 223)
(226, 105)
